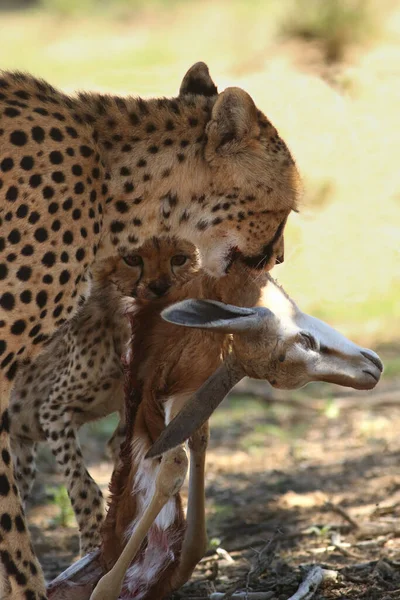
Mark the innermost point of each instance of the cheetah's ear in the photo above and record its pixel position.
(198, 81)
(233, 121)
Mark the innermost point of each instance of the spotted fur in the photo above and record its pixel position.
(87, 177)
(79, 378)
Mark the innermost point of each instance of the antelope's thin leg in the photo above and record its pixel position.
(115, 441)
(170, 477)
(195, 540)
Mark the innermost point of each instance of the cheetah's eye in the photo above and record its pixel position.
(133, 260)
(178, 260)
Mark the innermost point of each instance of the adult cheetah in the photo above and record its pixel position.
(77, 172)
(79, 376)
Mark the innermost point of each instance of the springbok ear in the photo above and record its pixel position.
(210, 314)
(233, 120)
(198, 81)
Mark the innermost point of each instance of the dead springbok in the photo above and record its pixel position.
(147, 548)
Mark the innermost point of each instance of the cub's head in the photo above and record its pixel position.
(153, 269)
(253, 181)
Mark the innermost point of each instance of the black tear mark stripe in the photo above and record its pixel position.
(262, 259)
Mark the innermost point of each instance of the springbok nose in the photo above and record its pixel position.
(159, 288)
(374, 359)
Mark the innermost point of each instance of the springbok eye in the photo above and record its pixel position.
(133, 260)
(178, 260)
(309, 340)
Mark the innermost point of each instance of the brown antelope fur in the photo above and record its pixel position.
(79, 378)
(79, 173)
(174, 362)
(147, 548)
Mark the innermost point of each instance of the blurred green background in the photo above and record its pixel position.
(326, 72)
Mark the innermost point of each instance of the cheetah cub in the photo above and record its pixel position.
(79, 376)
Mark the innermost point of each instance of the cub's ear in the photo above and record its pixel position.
(233, 121)
(198, 81)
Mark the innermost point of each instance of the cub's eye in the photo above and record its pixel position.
(133, 260)
(178, 260)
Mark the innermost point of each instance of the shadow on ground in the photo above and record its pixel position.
(288, 487)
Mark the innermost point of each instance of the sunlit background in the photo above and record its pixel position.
(327, 74)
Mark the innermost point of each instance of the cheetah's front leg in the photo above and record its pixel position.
(24, 453)
(20, 573)
(85, 495)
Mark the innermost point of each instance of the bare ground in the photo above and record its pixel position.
(292, 482)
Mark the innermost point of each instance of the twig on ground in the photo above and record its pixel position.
(373, 530)
(364, 565)
(222, 553)
(320, 549)
(311, 583)
(342, 528)
(340, 511)
(244, 596)
(380, 511)
(342, 547)
(263, 559)
(380, 541)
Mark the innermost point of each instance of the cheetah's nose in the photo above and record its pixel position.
(159, 288)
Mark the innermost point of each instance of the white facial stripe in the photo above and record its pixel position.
(292, 318)
(344, 365)
(214, 255)
(277, 301)
(326, 335)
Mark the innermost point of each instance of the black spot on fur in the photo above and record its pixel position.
(56, 157)
(27, 163)
(261, 260)
(38, 134)
(4, 485)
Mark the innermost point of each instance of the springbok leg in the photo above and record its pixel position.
(169, 480)
(195, 540)
(115, 441)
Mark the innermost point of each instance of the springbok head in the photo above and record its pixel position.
(281, 344)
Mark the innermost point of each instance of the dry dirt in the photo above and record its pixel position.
(292, 482)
